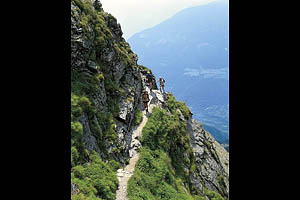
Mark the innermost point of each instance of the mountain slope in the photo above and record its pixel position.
(106, 107)
(190, 50)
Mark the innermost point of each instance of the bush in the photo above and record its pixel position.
(212, 195)
(173, 105)
(96, 179)
(137, 118)
(74, 156)
(114, 165)
(76, 110)
(84, 103)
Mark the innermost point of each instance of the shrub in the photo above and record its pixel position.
(76, 110)
(137, 118)
(84, 22)
(213, 195)
(96, 179)
(114, 165)
(74, 156)
(76, 128)
(173, 105)
(84, 103)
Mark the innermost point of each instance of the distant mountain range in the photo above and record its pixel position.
(190, 50)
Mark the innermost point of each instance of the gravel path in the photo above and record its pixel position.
(125, 174)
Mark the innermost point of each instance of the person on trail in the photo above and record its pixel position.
(162, 84)
(135, 58)
(145, 97)
(153, 82)
(150, 80)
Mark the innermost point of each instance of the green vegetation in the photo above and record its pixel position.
(173, 105)
(160, 171)
(96, 179)
(154, 178)
(207, 143)
(83, 84)
(212, 195)
(109, 134)
(78, 153)
(113, 93)
(137, 118)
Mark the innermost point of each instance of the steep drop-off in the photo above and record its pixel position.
(177, 157)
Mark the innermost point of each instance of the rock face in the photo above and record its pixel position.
(211, 158)
(118, 91)
(88, 138)
(126, 76)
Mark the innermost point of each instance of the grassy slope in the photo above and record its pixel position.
(160, 172)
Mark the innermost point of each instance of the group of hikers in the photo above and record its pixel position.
(150, 80)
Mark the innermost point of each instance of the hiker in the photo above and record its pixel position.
(151, 84)
(153, 81)
(135, 58)
(162, 84)
(150, 80)
(145, 97)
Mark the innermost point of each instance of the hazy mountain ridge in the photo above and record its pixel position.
(191, 53)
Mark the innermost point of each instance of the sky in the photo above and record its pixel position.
(138, 15)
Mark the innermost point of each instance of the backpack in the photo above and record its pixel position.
(146, 97)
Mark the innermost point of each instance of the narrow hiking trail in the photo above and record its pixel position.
(125, 174)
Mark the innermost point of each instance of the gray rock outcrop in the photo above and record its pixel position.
(126, 76)
(211, 158)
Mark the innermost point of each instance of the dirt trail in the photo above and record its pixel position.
(125, 174)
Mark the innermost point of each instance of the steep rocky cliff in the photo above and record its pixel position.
(106, 107)
(211, 158)
(104, 61)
